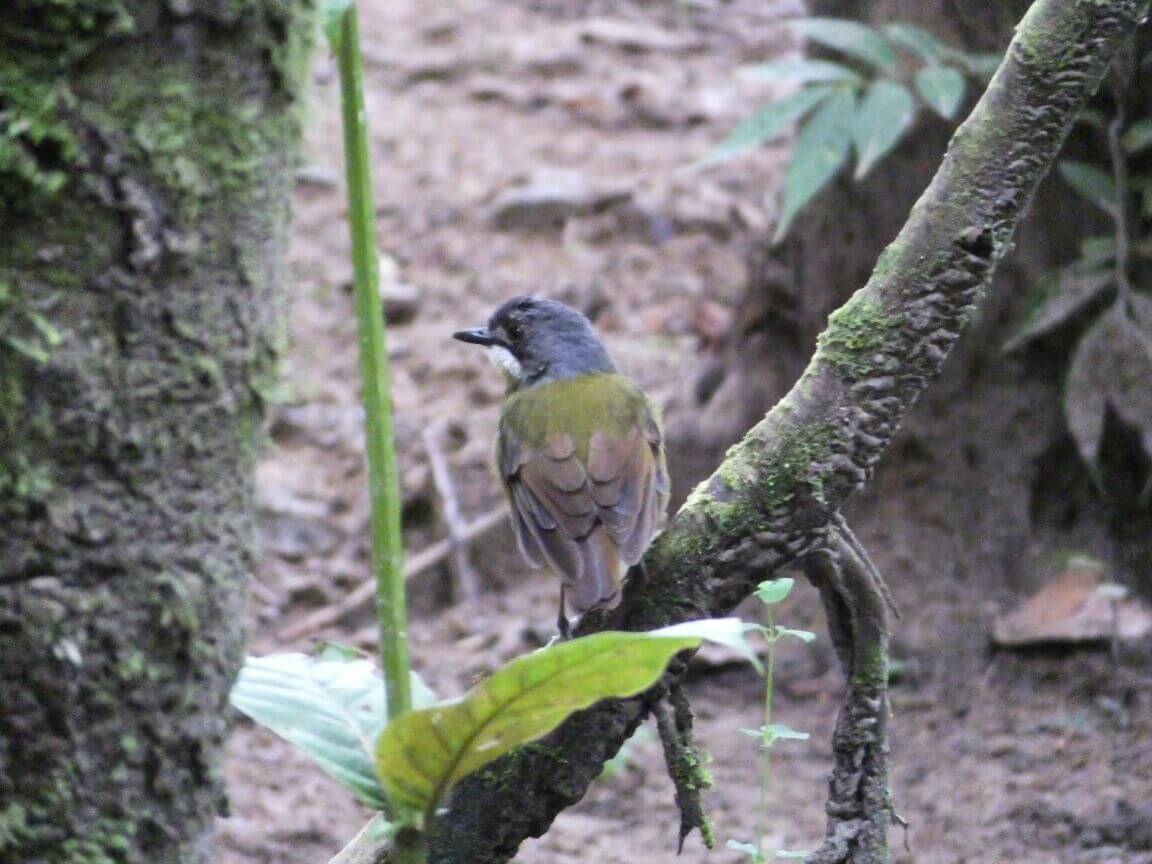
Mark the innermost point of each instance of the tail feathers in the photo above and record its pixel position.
(597, 585)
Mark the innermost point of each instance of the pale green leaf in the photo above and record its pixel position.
(729, 632)
(883, 117)
(802, 635)
(915, 39)
(769, 123)
(773, 591)
(850, 38)
(1138, 136)
(330, 650)
(748, 849)
(1091, 182)
(781, 732)
(799, 71)
(332, 708)
(820, 150)
(942, 87)
(791, 855)
(422, 754)
(770, 734)
(331, 14)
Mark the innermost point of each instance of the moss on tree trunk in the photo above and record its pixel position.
(145, 155)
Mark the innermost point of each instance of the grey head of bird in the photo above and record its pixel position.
(534, 340)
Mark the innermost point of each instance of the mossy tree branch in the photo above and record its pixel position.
(771, 502)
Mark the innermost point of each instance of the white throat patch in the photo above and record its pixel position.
(503, 360)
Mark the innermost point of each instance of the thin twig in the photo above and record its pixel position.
(464, 582)
(685, 765)
(362, 596)
(849, 537)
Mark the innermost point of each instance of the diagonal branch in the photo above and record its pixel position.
(771, 501)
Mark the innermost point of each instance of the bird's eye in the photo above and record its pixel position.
(514, 329)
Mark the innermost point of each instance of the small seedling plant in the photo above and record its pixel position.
(387, 738)
(771, 593)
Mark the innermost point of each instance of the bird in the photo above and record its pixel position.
(579, 450)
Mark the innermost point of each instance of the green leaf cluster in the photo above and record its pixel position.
(334, 708)
(863, 103)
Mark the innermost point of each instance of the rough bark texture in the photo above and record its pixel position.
(145, 149)
(984, 488)
(859, 804)
(771, 501)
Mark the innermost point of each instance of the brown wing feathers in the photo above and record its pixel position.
(583, 518)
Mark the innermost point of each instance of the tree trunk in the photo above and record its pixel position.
(145, 155)
(983, 486)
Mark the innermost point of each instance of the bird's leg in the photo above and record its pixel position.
(562, 619)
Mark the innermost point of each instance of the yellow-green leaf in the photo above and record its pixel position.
(421, 755)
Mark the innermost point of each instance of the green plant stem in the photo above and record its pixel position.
(766, 748)
(387, 541)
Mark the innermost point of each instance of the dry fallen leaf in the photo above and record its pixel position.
(1075, 607)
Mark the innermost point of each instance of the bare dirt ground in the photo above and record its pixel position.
(480, 110)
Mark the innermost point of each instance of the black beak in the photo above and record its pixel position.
(476, 336)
